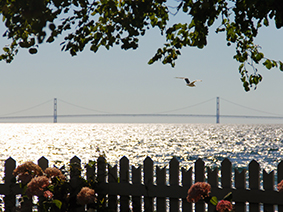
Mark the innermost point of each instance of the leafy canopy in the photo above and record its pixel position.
(98, 23)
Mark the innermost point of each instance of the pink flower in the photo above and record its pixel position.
(27, 171)
(86, 196)
(197, 191)
(224, 206)
(48, 194)
(54, 172)
(37, 185)
(280, 186)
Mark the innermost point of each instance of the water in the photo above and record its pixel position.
(188, 142)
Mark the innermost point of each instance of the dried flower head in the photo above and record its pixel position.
(280, 186)
(37, 185)
(26, 171)
(54, 172)
(86, 196)
(197, 191)
(224, 206)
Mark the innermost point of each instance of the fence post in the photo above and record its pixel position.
(101, 176)
(148, 181)
(101, 170)
(136, 180)
(174, 181)
(43, 163)
(161, 181)
(187, 183)
(240, 184)
(90, 171)
(268, 184)
(279, 178)
(75, 182)
(254, 183)
(124, 178)
(112, 178)
(199, 177)
(226, 174)
(10, 197)
(280, 172)
(213, 181)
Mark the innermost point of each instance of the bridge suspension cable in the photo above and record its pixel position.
(28, 108)
(169, 111)
(251, 108)
(99, 111)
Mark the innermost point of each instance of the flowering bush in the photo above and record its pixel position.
(53, 191)
(201, 191)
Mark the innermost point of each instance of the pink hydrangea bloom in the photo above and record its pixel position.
(280, 186)
(54, 172)
(224, 206)
(48, 194)
(197, 191)
(37, 185)
(26, 171)
(86, 196)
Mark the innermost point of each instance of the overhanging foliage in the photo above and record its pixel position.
(107, 23)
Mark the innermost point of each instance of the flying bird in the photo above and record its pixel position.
(191, 84)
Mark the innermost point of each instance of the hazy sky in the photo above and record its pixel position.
(118, 81)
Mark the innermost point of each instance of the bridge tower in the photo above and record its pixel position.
(217, 111)
(55, 111)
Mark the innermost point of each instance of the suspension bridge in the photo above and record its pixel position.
(217, 115)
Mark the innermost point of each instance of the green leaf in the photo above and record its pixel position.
(280, 66)
(51, 188)
(274, 63)
(259, 56)
(246, 86)
(150, 61)
(50, 39)
(32, 50)
(58, 203)
(241, 67)
(185, 8)
(214, 200)
(91, 163)
(102, 201)
(267, 64)
(73, 52)
(6, 49)
(52, 26)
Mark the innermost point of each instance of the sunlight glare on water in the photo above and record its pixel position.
(188, 142)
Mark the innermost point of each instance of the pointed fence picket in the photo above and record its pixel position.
(149, 188)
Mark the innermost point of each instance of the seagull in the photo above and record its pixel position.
(191, 84)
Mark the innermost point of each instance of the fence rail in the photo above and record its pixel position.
(151, 188)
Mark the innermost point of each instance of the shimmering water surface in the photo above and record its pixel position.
(188, 142)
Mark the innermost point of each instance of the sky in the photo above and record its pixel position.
(121, 82)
